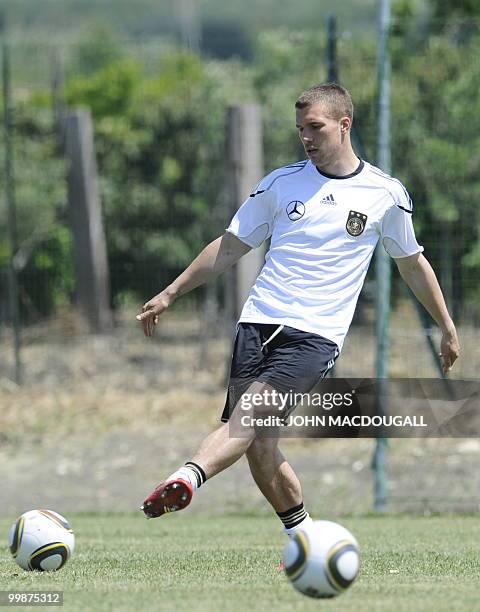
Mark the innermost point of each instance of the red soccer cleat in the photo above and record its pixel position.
(169, 496)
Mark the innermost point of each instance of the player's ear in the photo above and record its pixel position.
(345, 124)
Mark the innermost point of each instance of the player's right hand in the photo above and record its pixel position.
(151, 311)
(449, 349)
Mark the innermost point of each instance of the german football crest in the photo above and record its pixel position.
(356, 223)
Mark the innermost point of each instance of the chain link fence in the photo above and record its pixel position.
(192, 345)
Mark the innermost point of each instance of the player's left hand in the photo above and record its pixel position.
(152, 310)
(449, 349)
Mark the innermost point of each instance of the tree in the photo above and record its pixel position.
(160, 146)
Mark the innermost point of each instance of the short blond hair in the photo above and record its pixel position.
(336, 99)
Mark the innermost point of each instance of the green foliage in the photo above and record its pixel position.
(456, 19)
(100, 47)
(107, 92)
(436, 122)
(445, 10)
(159, 141)
(160, 133)
(44, 258)
(286, 63)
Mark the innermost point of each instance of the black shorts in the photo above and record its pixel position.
(289, 360)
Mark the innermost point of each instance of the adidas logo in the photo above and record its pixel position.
(328, 200)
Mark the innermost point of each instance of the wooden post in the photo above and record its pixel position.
(13, 290)
(90, 252)
(59, 106)
(246, 162)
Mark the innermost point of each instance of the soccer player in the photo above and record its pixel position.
(324, 216)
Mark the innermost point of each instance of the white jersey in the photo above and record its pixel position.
(323, 232)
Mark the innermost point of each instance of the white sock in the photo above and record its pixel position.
(294, 519)
(306, 521)
(192, 473)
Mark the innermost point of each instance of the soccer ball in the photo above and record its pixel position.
(41, 540)
(322, 560)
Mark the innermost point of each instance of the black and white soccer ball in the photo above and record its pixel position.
(41, 540)
(322, 560)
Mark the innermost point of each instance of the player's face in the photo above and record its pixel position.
(321, 135)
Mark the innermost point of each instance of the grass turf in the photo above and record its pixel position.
(196, 563)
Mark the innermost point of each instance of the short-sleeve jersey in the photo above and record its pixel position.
(323, 232)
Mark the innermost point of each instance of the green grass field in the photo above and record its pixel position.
(191, 562)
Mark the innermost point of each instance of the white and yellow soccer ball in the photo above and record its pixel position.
(322, 560)
(41, 540)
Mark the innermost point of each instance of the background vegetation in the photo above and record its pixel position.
(160, 122)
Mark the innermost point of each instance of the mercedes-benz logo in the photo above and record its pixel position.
(295, 210)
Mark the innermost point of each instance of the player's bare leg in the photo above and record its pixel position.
(230, 441)
(273, 474)
(278, 482)
(217, 452)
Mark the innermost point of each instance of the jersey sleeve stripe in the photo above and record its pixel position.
(410, 212)
(284, 174)
(395, 180)
(381, 184)
(297, 164)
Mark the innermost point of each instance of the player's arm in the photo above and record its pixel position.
(215, 258)
(420, 277)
